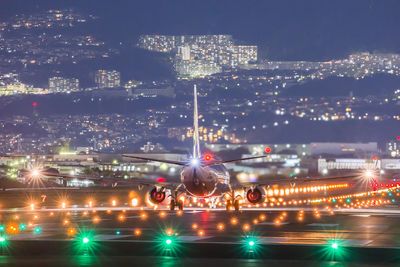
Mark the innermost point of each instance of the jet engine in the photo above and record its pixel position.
(255, 195)
(157, 195)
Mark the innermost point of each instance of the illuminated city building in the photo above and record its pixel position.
(201, 55)
(393, 148)
(325, 165)
(344, 148)
(63, 85)
(107, 79)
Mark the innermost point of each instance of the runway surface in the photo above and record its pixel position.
(372, 228)
(119, 233)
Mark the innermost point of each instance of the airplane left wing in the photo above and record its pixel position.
(234, 160)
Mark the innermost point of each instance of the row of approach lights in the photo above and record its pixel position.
(168, 240)
(250, 242)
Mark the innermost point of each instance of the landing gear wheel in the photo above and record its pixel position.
(236, 204)
(172, 204)
(180, 205)
(228, 205)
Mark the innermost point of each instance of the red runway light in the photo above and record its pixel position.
(35, 104)
(267, 150)
(398, 138)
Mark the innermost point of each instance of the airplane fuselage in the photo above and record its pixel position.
(205, 181)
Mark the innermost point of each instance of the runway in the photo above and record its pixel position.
(360, 228)
(117, 229)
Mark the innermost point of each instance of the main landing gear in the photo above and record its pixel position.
(175, 202)
(233, 202)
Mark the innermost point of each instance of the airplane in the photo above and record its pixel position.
(202, 176)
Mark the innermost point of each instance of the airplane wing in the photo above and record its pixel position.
(113, 181)
(156, 160)
(234, 160)
(294, 180)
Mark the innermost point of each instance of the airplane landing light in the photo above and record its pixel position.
(194, 162)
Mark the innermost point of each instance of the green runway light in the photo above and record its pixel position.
(22, 227)
(37, 230)
(85, 241)
(168, 243)
(2, 228)
(251, 245)
(3, 242)
(118, 232)
(335, 245)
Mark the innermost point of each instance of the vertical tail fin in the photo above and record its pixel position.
(196, 143)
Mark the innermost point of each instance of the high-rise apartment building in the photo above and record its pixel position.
(107, 79)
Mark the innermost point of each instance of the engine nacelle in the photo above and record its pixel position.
(157, 195)
(255, 195)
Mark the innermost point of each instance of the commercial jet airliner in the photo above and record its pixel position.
(202, 176)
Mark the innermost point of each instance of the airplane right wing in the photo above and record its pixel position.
(110, 180)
